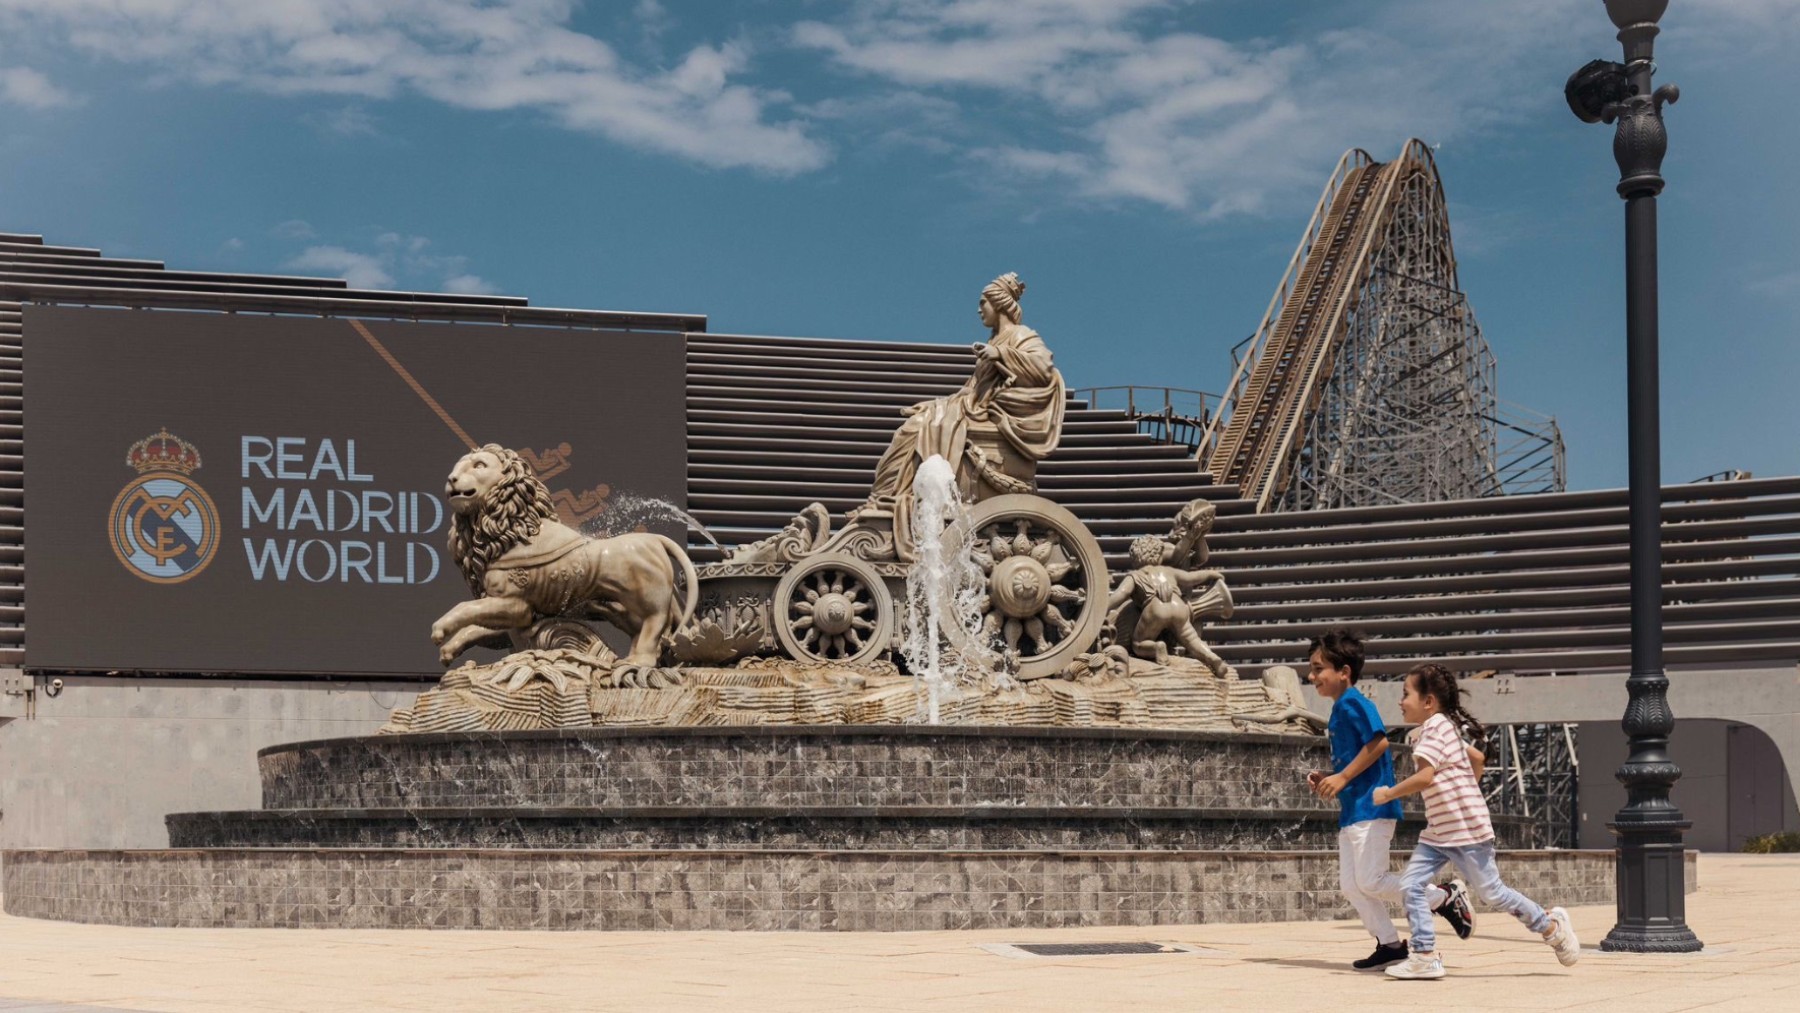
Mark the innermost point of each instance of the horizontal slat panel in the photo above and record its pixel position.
(1586, 596)
(1513, 581)
(398, 305)
(1783, 631)
(1407, 532)
(1511, 505)
(1509, 619)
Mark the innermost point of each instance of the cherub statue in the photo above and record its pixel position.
(1160, 592)
(1185, 544)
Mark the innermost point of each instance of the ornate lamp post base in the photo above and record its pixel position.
(1651, 881)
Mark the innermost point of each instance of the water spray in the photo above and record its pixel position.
(944, 586)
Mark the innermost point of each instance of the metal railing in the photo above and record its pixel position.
(1172, 415)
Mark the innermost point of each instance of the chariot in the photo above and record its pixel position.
(812, 594)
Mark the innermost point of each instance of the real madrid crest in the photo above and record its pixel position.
(164, 527)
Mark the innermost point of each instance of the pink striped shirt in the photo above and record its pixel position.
(1455, 812)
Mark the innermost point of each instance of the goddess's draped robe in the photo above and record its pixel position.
(1018, 391)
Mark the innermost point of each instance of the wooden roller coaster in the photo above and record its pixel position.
(1368, 381)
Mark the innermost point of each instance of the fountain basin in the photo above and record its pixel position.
(788, 827)
(798, 765)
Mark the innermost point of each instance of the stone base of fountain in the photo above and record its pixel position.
(825, 827)
(549, 690)
(717, 890)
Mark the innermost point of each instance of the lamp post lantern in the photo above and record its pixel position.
(1650, 876)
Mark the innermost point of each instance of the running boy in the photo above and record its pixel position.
(1458, 828)
(1359, 754)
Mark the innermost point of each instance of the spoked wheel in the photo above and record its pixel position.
(1046, 582)
(833, 607)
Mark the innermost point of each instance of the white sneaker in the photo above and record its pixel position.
(1419, 965)
(1562, 937)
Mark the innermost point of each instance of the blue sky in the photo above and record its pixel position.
(859, 168)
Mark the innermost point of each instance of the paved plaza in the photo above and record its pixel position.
(1742, 911)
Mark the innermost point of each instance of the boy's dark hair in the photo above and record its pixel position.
(1343, 648)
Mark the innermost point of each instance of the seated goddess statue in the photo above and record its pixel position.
(1006, 417)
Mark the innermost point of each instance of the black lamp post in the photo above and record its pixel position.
(1650, 876)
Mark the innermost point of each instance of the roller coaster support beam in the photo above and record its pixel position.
(1650, 874)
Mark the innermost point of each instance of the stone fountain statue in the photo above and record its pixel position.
(1171, 593)
(524, 566)
(802, 627)
(1005, 418)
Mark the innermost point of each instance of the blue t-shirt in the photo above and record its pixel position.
(1354, 724)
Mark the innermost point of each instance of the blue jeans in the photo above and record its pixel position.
(1475, 864)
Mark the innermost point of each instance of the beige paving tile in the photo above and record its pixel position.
(1753, 966)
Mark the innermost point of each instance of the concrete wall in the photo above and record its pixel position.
(1733, 784)
(1697, 745)
(100, 764)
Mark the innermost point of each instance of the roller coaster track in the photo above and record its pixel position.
(1367, 380)
(1294, 343)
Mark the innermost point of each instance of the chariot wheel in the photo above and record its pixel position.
(1046, 591)
(833, 607)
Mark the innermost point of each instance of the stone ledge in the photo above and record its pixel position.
(789, 731)
(797, 766)
(837, 828)
(718, 889)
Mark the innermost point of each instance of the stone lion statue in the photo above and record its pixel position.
(523, 564)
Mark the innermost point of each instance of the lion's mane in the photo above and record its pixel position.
(513, 512)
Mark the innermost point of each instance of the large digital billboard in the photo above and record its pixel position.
(211, 492)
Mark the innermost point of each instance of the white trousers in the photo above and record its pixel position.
(1366, 872)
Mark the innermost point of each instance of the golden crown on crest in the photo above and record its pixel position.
(163, 452)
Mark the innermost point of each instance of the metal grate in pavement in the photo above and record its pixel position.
(1029, 950)
(1091, 949)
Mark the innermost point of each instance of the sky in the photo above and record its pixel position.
(860, 168)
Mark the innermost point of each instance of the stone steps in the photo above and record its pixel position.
(857, 828)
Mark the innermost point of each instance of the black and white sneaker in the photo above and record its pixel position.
(1383, 956)
(1456, 909)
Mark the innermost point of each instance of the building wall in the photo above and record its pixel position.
(1733, 785)
(103, 762)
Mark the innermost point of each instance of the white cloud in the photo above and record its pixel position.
(469, 284)
(391, 260)
(22, 86)
(652, 17)
(1177, 118)
(360, 270)
(346, 121)
(293, 228)
(1104, 97)
(472, 54)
